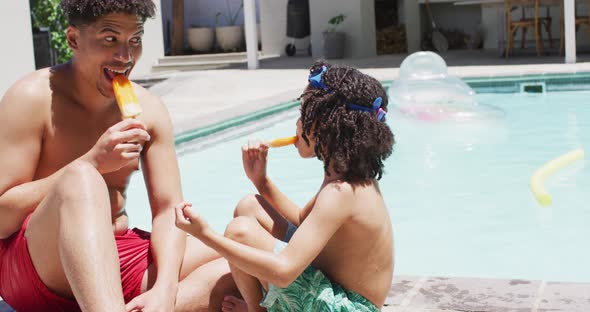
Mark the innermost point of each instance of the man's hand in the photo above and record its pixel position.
(118, 146)
(189, 220)
(254, 158)
(154, 300)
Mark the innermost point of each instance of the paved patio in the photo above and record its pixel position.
(433, 294)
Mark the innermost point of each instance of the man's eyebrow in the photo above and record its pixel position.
(108, 29)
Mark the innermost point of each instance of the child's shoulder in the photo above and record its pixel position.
(345, 190)
(337, 187)
(344, 186)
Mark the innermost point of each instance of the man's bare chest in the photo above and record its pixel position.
(67, 141)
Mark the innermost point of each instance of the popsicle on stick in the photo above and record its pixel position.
(126, 97)
(282, 141)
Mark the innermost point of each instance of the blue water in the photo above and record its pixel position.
(458, 194)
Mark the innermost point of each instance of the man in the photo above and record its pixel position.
(66, 156)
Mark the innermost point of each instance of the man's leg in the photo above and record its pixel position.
(71, 243)
(205, 279)
(204, 288)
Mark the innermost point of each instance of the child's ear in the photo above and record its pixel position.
(72, 37)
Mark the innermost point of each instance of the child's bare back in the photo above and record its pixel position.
(359, 256)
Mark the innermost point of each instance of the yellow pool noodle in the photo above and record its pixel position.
(126, 97)
(282, 142)
(538, 178)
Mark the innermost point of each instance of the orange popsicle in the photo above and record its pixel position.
(126, 97)
(282, 141)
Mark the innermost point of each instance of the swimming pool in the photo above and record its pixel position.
(458, 194)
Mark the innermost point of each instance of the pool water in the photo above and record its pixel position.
(458, 194)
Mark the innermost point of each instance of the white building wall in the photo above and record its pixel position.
(364, 40)
(273, 26)
(409, 15)
(359, 25)
(201, 13)
(18, 58)
(153, 44)
(272, 15)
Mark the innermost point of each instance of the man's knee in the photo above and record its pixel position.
(248, 206)
(80, 179)
(240, 229)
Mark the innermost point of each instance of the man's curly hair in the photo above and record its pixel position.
(354, 143)
(83, 12)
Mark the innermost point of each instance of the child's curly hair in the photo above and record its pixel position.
(83, 12)
(355, 143)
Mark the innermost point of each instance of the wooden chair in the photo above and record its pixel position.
(544, 20)
(525, 22)
(580, 20)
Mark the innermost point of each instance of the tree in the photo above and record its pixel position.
(48, 14)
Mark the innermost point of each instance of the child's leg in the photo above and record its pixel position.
(248, 231)
(257, 207)
(249, 287)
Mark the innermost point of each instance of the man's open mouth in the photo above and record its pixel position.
(111, 73)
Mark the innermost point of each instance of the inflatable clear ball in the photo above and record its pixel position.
(425, 91)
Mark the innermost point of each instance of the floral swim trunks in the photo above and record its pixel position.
(312, 291)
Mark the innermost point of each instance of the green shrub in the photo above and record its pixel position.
(48, 14)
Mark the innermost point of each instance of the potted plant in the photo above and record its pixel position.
(334, 40)
(230, 37)
(201, 39)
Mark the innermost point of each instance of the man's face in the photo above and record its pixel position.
(108, 47)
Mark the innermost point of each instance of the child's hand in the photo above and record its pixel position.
(189, 220)
(254, 158)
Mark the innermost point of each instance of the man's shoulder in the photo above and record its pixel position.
(145, 95)
(30, 91)
(152, 105)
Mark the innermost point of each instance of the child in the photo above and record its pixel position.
(335, 254)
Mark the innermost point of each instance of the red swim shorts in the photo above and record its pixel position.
(21, 287)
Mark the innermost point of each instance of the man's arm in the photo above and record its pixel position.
(21, 131)
(162, 178)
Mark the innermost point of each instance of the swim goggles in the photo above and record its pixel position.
(380, 113)
(316, 81)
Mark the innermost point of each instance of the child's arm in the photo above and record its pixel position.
(331, 210)
(280, 202)
(254, 158)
